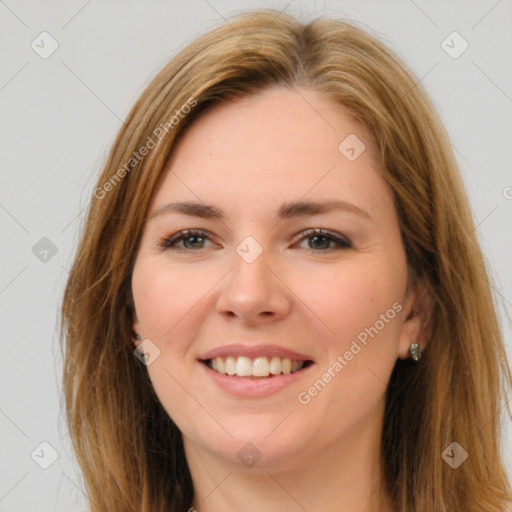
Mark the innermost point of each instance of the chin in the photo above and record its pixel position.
(259, 443)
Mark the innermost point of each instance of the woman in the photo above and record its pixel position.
(278, 301)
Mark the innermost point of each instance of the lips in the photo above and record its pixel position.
(261, 361)
(286, 368)
(254, 351)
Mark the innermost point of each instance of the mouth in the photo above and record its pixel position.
(255, 371)
(262, 367)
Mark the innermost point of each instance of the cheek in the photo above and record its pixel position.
(354, 296)
(361, 306)
(166, 302)
(165, 297)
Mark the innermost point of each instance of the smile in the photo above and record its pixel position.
(254, 370)
(258, 367)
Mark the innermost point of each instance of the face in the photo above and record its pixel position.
(276, 320)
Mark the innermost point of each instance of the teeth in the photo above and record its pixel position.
(244, 367)
(275, 366)
(257, 367)
(230, 366)
(296, 365)
(260, 367)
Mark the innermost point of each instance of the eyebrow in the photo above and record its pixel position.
(286, 210)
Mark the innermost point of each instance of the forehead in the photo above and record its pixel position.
(279, 144)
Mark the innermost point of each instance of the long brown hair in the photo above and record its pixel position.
(129, 450)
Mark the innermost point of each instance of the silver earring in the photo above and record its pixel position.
(137, 336)
(415, 351)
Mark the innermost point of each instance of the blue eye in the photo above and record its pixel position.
(193, 240)
(323, 235)
(196, 236)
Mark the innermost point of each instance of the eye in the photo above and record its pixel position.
(193, 239)
(322, 240)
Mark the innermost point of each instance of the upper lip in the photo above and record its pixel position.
(253, 351)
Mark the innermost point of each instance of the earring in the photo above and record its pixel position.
(136, 336)
(415, 351)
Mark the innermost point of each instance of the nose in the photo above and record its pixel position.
(254, 292)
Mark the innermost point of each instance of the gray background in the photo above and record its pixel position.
(60, 116)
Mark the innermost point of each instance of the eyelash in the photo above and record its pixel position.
(171, 242)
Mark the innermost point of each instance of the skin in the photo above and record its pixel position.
(247, 157)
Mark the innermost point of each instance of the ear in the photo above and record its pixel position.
(135, 329)
(416, 327)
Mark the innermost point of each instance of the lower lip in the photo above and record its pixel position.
(254, 388)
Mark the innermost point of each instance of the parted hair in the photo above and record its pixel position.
(129, 451)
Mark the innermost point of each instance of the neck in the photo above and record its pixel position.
(344, 477)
